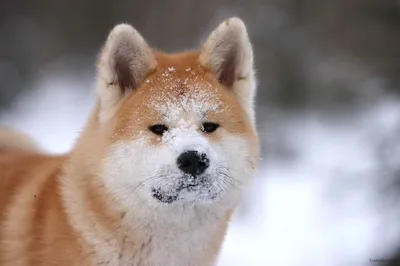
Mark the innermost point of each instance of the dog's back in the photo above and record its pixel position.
(16, 141)
(18, 152)
(32, 220)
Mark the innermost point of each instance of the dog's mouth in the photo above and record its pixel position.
(163, 196)
(170, 195)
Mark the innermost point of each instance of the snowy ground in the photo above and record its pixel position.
(328, 205)
(325, 205)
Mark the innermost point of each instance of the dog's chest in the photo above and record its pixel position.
(177, 247)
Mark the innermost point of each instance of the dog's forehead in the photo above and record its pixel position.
(175, 90)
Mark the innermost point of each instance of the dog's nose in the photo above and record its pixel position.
(193, 162)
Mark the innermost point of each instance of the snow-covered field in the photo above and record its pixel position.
(329, 205)
(326, 204)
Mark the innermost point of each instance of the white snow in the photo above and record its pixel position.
(326, 207)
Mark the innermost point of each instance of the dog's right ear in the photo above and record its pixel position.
(125, 61)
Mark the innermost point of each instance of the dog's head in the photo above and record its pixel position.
(179, 128)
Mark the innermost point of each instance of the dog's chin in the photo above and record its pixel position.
(186, 192)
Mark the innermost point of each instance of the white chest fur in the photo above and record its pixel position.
(186, 244)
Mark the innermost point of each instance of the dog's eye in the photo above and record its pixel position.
(158, 129)
(209, 127)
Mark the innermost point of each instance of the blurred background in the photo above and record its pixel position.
(328, 190)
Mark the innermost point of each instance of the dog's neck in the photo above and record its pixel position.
(172, 243)
(140, 235)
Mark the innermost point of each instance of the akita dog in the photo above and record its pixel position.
(158, 169)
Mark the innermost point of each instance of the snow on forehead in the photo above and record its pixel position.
(183, 94)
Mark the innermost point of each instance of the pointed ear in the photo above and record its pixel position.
(229, 54)
(125, 61)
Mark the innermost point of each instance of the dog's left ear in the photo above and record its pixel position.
(125, 61)
(229, 55)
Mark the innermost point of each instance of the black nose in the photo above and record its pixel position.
(193, 163)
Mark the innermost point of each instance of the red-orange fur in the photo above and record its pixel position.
(38, 218)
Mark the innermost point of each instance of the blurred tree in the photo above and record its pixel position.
(295, 41)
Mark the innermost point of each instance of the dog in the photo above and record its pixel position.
(160, 166)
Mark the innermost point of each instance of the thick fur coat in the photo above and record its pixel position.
(124, 195)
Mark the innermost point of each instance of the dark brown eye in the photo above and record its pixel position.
(209, 127)
(158, 129)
